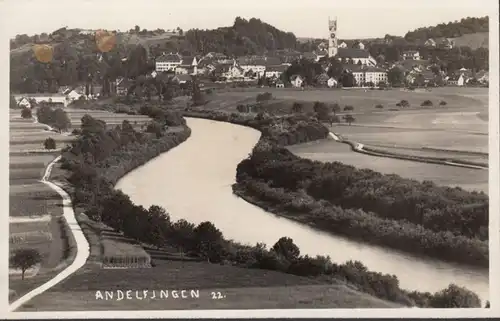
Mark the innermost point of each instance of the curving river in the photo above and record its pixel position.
(193, 182)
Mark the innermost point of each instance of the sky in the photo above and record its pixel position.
(357, 19)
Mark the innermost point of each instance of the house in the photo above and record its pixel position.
(356, 56)
(215, 56)
(280, 84)
(342, 45)
(430, 43)
(411, 55)
(456, 80)
(446, 43)
(24, 102)
(73, 94)
(332, 82)
(258, 65)
(322, 79)
(275, 71)
(230, 71)
(167, 62)
(55, 99)
(206, 66)
(122, 86)
(188, 66)
(358, 45)
(320, 54)
(365, 75)
(297, 81)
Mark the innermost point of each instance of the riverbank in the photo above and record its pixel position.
(152, 226)
(361, 148)
(147, 226)
(398, 225)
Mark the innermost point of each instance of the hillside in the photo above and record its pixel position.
(471, 40)
(454, 29)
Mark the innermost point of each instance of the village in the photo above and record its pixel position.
(412, 70)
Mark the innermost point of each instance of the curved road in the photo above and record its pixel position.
(82, 251)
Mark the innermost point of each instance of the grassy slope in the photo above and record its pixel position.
(244, 288)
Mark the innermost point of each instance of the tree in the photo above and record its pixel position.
(155, 128)
(347, 80)
(209, 241)
(49, 143)
(26, 112)
(455, 297)
(61, 120)
(24, 259)
(349, 119)
(287, 248)
(487, 305)
(197, 97)
(322, 111)
(395, 77)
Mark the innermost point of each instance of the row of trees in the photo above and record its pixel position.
(153, 226)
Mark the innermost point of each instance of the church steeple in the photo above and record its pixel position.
(332, 37)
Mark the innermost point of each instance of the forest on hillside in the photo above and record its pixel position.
(245, 37)
(450, 30)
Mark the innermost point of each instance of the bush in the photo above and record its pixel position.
(379, 106)
(26, 113)
(348, 108)
(442, 103)
(455, 297)
(49, 143)
(426, 103)
(242, 108)
(403, 103)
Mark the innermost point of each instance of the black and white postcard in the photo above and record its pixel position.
(250, 158)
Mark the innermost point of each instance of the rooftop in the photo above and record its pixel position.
(352, 53)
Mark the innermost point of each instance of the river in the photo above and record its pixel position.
(193, 182)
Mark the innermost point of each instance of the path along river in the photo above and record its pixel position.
(193, 182)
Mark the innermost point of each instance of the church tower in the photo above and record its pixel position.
(332, 38)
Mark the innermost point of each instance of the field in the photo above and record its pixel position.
(35, 209)
(457, 130)
(330, 151)
(243, 289)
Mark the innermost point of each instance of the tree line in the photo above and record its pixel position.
(450, 30)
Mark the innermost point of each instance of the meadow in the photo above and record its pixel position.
(457, 130)
(30, 201)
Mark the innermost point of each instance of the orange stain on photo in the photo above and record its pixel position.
(105, 40)
(43, 53)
